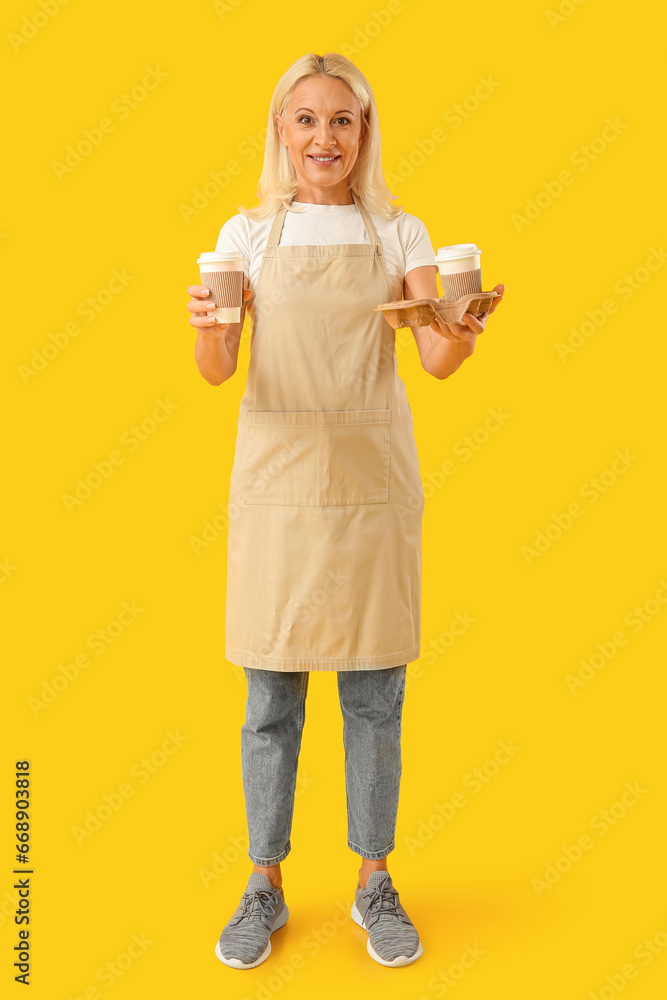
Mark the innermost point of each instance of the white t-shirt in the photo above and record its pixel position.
(405, 240)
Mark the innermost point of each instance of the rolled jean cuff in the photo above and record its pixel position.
(268, 862)
(371, 855)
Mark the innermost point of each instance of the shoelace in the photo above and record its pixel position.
(257, 905)
(383, 901)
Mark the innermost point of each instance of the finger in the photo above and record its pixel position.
(473, 323)
(501, 291)
(200, 306)
(199, 291)
(208, 322)
(450, 331)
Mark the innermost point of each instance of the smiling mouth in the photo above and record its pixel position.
(323, 159)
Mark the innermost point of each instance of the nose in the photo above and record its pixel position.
(324, 135)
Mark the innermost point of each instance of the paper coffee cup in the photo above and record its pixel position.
(460, 271)
(222, 272)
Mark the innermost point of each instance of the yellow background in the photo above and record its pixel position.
(468, 881)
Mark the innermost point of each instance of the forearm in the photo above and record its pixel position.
(216, 353)
(444, 356)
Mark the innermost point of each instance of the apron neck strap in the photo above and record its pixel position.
(276, 228)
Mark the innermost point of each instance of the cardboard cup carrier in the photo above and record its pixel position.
(461, 277)
(222, 272)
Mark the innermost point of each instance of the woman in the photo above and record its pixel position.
(324, 546)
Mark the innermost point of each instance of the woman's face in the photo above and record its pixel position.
(322, 119)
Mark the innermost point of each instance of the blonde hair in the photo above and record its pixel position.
(279, 183)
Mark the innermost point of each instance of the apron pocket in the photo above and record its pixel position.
(353, 457)
(280, 459)
(317, 458)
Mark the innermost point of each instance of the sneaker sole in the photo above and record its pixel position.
(236, 963)
(400, 960)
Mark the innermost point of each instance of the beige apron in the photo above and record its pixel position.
(326, 500)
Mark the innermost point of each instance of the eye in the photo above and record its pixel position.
(341, 119)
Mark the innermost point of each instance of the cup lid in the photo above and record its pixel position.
(213, 256)
(455, 250)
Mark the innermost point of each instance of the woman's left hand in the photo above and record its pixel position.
(470, 325)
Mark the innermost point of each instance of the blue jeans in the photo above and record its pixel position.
(371, 702)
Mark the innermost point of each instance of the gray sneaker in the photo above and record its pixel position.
(245, 941)
(392, 937)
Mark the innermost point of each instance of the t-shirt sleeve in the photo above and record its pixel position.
(234, 236)
(416, 243)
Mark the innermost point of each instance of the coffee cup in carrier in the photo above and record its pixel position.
(460, 271)
(222, 273)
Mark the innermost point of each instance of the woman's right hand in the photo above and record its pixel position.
(201, 304)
